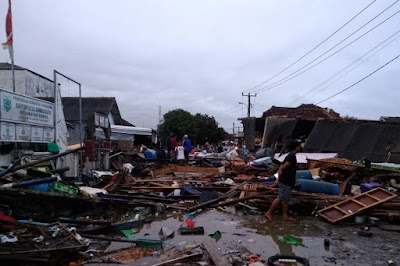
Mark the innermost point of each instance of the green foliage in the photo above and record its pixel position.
(199, 127)
(348, 117)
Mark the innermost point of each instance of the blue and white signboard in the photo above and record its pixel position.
(26, 110)
(36, 134)
(25, 119)
(22, 132)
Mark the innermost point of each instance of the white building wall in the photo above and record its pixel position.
(6, 81)
(26, 83)
(111, 119)
(37, 86)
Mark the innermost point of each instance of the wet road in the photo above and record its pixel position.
(261, 237)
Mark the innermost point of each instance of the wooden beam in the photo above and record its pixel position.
(216, 256)
(184, 258)
(182, 168)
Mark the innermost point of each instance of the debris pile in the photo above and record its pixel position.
(47, 217)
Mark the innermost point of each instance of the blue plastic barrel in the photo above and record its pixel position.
(41, 187)
(303, 174)
(312, 186)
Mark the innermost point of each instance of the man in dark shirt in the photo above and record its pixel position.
(287, 180)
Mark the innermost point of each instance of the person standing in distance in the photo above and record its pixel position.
(168, 145)
(287, 181)
(188, 146)
(174, 144)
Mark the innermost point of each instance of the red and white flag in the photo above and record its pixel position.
(9, 30)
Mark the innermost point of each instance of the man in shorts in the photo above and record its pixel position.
(287, 181)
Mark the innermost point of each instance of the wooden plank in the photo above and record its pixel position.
(373, 197)
(182, 168)
(133, 189)
(384, 194)
(183, 179)
(362, 204)
(215, 254)
(156, 184)
(184, 258)
(165, 170)
(341, 210)
(195, 169)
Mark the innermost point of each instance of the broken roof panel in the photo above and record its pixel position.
(320, 136)
(340, 140)
(354, 139)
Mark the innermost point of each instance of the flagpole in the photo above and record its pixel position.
(9, 43)
(12, 66)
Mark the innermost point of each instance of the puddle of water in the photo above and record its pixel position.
(252, 232)
(261, 237)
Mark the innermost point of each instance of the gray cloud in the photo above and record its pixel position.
(200, 55)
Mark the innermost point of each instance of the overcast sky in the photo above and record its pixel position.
(201, 55)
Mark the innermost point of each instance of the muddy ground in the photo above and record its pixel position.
(261, 237)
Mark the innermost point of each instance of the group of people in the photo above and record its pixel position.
(209, 148)
(178, 150)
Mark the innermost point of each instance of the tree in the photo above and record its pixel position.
(348, 117)
(199, 127)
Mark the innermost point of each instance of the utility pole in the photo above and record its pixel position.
(249, 104)
(233, 129)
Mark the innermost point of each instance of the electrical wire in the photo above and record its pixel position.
(259, 109)
(227, 111)
(364, 78)
(313, 49)
(322, 89)
(228, 114)
(278, 83)
(302, 98)
(290, 76)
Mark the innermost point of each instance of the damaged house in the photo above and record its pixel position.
(324, 131)
(280, 124)
(107, 107)
(376, 141)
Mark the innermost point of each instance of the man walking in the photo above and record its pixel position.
(287, 180)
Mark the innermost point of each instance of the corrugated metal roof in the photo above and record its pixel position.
(132, 130)
(340, 141)
(354, 139)
(103, 105)
(320, 136)
(279, 130)
(389, 138)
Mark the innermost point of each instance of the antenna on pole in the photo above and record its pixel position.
(159, 115)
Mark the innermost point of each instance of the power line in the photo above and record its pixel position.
(352, 85)
(352, 69)
(345, 68)
(282, 81)
(288, 77)
(262, 105)
(227, 111)
(259, 109)
(313, 49)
